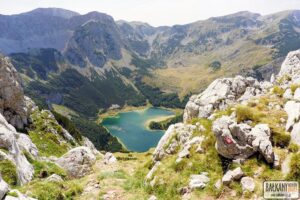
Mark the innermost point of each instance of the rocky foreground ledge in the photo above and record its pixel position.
(236, 134)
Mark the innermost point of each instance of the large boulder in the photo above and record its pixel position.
(54, 178)
(199, 181)
(231, 175)
(180, 133)
(248, 184)
(150, 174)
(109, 158)
(290, 68)
(26, 144)
(239, 141)
(77, 162)
(292, 108)
(13, 103)
(220, 94)
(9, 141)
(87, 143)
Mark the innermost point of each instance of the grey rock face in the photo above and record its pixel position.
(180, 131)
(220, 94)
(94, 43)
(20, 196)
(239, 141)
(26, 144)
(54, 178)
(218, 184)
(152, 171)
(291, 67)
(109, 158)
(198, 181)
(288, 94)
(231, 175)
(77, 162)
(12, 100)
(90, 145)
(248, 184)
(261, 141)
(152, 198)
(3, 188)
(185, 152)
(297, 94)
(9, 141)
(292, 109)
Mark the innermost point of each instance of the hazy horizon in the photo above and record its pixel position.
(155, 12)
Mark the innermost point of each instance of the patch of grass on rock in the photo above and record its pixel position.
(45, 190)
(295, 168)
(8, 172)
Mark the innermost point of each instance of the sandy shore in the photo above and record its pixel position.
(157, 119)
(115, 112)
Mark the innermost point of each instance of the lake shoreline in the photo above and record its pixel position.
(157, 119)
(131, 126)
(115, 112)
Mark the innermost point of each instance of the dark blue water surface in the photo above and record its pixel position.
(131, 129)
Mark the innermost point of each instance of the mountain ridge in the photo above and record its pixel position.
(163, 60)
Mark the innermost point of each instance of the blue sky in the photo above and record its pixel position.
(155, 12)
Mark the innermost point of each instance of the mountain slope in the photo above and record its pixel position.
(128, 57)
(242, 41)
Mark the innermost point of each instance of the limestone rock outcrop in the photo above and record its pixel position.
(199, 181)
(185, 152)
(248, 184)
(290, 68)
(48, 118)
(3, 188)
(19, 195)
(231, 175)
(87, 143)
(54, 178)
(239, 141)
(152, 198)
(77, 162)
(181, 133)
(292, 108)
(9, 140)
(26, 144)
(289, 76)
(220, 94)
(14, 106)
(152, 171)
(109, 158)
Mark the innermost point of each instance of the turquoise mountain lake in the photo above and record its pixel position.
(131, 128)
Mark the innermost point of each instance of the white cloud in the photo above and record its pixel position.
(155, 12)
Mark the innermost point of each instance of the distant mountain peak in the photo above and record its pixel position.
(57, 12)
(99, 15)
(244, 14)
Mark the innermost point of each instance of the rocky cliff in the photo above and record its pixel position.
(14, 106)
(43, 149)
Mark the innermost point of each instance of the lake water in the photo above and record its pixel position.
(131, 128)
